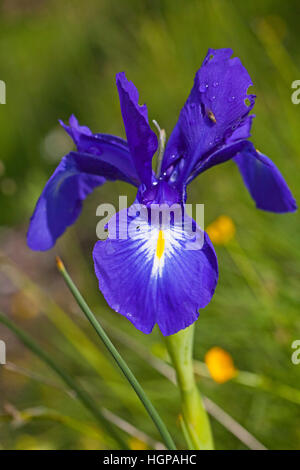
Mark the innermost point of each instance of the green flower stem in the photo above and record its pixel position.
(82, 396)
(118, 358)
(196, 422)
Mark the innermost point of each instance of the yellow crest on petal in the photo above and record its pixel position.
(160, 247)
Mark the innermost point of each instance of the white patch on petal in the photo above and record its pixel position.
(156, 247)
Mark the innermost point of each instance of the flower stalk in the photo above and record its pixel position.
(195, 419)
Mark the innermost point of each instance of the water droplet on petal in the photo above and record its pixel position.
(202, 88)
(231, 98)
(181, 164)
(215, 84)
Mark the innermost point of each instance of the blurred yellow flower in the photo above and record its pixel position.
(222, 230)
(136, 444)
(220, 365)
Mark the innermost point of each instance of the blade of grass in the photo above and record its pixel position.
(119, 422)
(60, 319)
(118, 358)
(42, 413)
(67, 327)
(82, 396)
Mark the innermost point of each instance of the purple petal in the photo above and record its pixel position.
(225, 153)
(215, 109)
(264, 182)
(74, 130)
(61, 200)
(147, 288)
(110, 148)
(142, 141)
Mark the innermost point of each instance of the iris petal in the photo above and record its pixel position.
(216, 107)
(264, 182)
(101, 157)
(153, 276)
(61, 200)
(225, 153)
(110, 148)
(142, 141)
(75, 130)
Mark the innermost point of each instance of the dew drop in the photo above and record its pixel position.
(231, 98)
(215, 84)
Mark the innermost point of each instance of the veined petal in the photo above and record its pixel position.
(214, 110)
(264, 181)
(112, 150)
(61, 200)
(108, 148)
(142, 141)
(154, 275)
(261, 176)
(225, 153)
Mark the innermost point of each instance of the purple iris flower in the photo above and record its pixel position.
(155, 279)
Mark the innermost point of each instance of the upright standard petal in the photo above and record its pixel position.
(61, 200)
(216, 108)
(153, 275)
(264, 181)
(142, 141)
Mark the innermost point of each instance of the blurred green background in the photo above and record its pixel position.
(59, 58)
